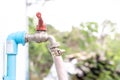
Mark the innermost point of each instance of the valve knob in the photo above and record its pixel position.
(41, 26)
(38, 14)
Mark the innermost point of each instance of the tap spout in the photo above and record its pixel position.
(53, 42)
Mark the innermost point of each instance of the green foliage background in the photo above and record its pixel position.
(80, 38)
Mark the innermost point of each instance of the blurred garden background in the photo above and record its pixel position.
(93, 44)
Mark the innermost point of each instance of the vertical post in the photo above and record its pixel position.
(2, 57)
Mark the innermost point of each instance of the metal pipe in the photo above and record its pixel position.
(51, 39)
(53, 42)
(11, 50)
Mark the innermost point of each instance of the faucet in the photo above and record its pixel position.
(42, 36)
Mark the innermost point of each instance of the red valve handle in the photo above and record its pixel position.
(41, 26)
(38, 14)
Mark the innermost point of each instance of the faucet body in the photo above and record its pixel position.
(39, 36)
(42, 36)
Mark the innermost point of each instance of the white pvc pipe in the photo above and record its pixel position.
(61, 72)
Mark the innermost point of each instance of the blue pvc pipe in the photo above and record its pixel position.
(11, 50)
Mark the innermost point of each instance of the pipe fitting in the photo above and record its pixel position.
(18, 37)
